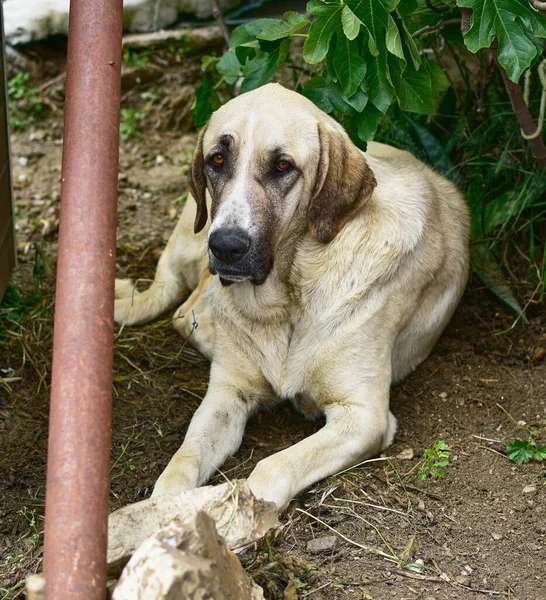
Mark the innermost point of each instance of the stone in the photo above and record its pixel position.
(529, 489)
(496, 536)
(240, 518)
(32, 20)
(185, 560)
(538, 353)
(406, 454)
(322, 544)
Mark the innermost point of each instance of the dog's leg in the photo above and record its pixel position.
(215, 432)
(184, 254)
(353, 433)
(193, 320)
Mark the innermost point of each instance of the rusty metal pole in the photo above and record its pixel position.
(81, 387)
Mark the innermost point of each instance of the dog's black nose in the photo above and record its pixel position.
(229, 245)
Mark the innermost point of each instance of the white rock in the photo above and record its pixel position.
(31, 20)
(406, 454)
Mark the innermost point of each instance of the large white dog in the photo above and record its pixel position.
(332, 274)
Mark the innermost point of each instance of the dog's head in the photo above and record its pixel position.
(266, 158)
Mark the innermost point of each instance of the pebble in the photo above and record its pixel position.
(538, 353)
(323, 544)
(462, 580)
(406, 454)
(529, 489)
(496, 536)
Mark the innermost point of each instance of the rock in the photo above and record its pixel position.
(186, 559)
(462, 580)
(496, 536)
(322, 544)
(529, 489)
(239, 516)
(31, 20)
(538, 353)
(406, 454)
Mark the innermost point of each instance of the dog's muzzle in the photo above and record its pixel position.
(235, 257)
(229, 246)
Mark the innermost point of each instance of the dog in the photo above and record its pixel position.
(324, 275)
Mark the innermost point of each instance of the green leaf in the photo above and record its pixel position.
(246, 52)
(248, 32)
(208, 61)
(378, 84)
(418, 91)
(518, 451)
(514, 23)
(229, 66)
(539, 453)
(489, 271)
(413, 89)
(437, 156)
(349, 66)
(410, 44)
(267, 70)
(368, 121)
(359, 100)
(393, 39)
(206, 101)
(321, 8)
(350, 23)
(293, 22)
(317, 90)
(320, 33)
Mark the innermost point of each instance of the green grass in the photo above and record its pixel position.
(23, 100)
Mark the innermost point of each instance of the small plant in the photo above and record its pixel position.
(24, 102)
(434, 462)
(135, 59)
(523, 451)
(15, 305)
(130, 123)
(35, 537)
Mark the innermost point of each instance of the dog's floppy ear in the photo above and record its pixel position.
(198, 184)
(344, 184)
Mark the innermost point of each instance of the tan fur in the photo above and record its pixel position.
(334, 324)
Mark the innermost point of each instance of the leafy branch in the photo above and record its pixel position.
(359, 58)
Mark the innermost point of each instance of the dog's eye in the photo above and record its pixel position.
(218, 159)
(283, 166)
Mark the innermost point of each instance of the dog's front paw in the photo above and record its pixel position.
(125, 288)
(179, 476)
(270, 483)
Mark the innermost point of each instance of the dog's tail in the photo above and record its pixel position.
(133, 307)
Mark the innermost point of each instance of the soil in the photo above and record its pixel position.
(477, 532)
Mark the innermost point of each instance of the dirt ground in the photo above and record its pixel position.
(478, 532)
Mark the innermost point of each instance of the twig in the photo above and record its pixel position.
(217, 14)
(526, 121)
(427, 28)
(540, 6)
(361, 546)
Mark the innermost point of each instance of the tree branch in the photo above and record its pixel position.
(217, 14)
(526, 121)
(427, 28)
